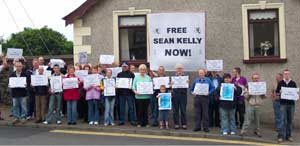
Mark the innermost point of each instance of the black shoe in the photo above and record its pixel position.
(154, 125)
(121, 124)
(1, 119)
(132, 124)
(74, 123)
(69, 123)
(38, 121)
(197, 129)
(206, 130)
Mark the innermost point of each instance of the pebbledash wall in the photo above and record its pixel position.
(97, 32)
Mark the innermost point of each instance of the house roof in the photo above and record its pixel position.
(79, 12)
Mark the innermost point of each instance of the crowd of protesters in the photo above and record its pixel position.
(89, 103)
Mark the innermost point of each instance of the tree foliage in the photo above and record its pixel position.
(55, 42)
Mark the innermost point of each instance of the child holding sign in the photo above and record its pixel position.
(164, 104)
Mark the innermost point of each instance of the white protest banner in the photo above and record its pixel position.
(81, 74)
(91, 80)
(39, 80)
(214, 65)
(144, 87)
(180, 81)
(109, 87)
(13, 53)
(70, 83)
(107, 59)
(125, 83)
(83, 58)
(289, 93)
(201, 89)
(257, 88)
(177, 36)
(59, 62)
(56, 84)
(17, 82)
(115, 71)
(158, 81)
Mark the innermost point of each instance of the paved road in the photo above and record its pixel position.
(35, 136)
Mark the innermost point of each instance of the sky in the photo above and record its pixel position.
(42, 12)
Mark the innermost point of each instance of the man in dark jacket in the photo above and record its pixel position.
(287, 108)
(19, 95)
(126, 95)
(30, 91)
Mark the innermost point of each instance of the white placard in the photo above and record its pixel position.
(177, 38)
(180, 81)
(1, 49)
(289, 93)
(158, 81)
(83, 58)
(91, 80)
(144, 87)
(214, 65)
(109, 87)
(81, 74)
(39, 80)
(56, 84)
(70, 83)
(59, 62)
(115, 71)
(13, 53)
(257, 88)
(125, 83)
(17, 82)
(201, 89)
(48, 73)
(107, 59)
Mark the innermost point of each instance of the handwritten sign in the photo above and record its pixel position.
(180, 81)
(107, 59)
(164, 101)
(214, 65)
(70, 83)
(109, 87)
(59, 62)
(91, 80)
(289, 93)
(144, 87)
(115, 71)
(124, 83)
(14, 53)
(257, 88)
(56, 84)
(201, 89)
(81, 74)
(17, 82)
(39, 80)
(158, 81)
(227, 92)
(83, 58)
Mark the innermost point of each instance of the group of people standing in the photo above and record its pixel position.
(40, 102)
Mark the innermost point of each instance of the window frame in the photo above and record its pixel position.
(135, 62)
(263, 5)
(263, 21)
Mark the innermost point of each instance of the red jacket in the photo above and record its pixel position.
(71, 94)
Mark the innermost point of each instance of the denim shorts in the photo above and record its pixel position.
(164, 115)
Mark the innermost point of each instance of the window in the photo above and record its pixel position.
(263, 33)
(133, 38)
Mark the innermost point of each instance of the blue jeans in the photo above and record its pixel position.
(55, 102)
(72, 111)
(19, 108)
(277, 114)
(227, 117)
(93, 110)
(154, 109)
(287, 114)
(130, 104)
(109, 110)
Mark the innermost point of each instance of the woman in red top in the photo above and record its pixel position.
(72, 96)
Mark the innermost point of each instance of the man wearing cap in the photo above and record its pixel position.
(179, 101)
(126, 95)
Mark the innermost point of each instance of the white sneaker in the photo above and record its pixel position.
(96, 123)
(46, 123)
(224, 133)
(232, 133)
(113, 124)
(58, 122)
(105, 124)
(91, 123)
